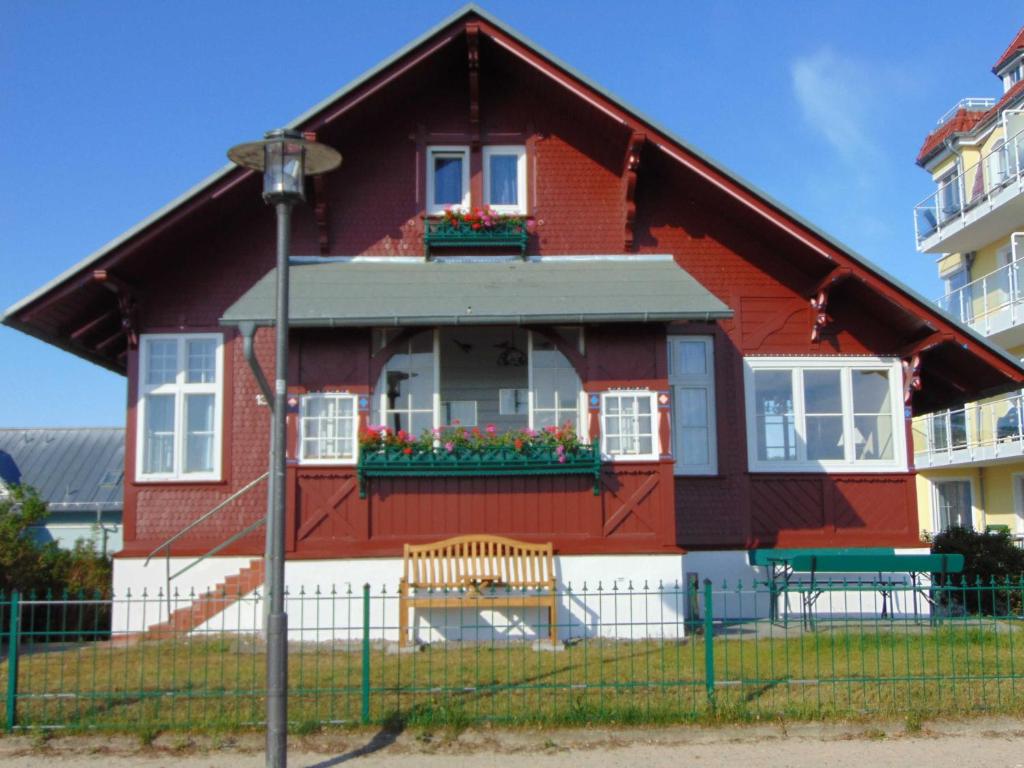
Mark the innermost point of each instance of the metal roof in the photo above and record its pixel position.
(415, 292)
(73, 469)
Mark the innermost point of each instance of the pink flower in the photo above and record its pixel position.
(530, 432)
(560, 449)
(449, 446)
(491, 429)
(436, 431)
(561, 459)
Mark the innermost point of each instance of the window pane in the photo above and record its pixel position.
(201, 354)
(690, 358)
(158, 445)
(953, 499)
(162, 361)
(872, 436)
(824, 438)
(199, 433)
(448, 180)
(773, 411)
(871, 392)
(694, 446)
(504, 180)
(822, 392)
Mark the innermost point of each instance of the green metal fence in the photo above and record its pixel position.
(625, 654)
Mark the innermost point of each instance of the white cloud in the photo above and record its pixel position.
(841, 99)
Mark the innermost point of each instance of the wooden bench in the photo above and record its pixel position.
(481, 572)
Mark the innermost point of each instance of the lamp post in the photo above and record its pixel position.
(285, 158)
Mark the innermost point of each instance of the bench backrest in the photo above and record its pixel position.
(467, 560)
(952, 563)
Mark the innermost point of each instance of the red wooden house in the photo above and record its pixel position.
(745, 378)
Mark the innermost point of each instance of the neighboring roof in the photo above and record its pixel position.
(962, 122)
(413, 292)
(1011, 50)
(71, 468)
(965, 121)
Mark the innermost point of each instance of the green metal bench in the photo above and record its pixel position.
(863, 562)
(780, 569)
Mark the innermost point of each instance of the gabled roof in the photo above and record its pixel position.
(1015, 47)
(73, 469)
(1001, 371)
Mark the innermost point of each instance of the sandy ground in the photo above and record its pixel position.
(987, 743)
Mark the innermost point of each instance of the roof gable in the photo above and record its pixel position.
(942, 329)
(1015, 47)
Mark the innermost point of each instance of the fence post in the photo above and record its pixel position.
(709, 647)
(12, 662)
(365, 714)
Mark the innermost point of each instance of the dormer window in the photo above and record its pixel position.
(505, 178)
(447, 179)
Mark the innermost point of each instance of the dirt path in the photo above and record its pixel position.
(988, 743)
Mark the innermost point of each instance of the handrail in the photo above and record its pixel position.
(226, 543)
(971, 104)
(207, 516)
(984, 302)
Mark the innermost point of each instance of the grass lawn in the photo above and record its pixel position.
(760, 671)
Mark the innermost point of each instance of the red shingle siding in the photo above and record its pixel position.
(375, 203)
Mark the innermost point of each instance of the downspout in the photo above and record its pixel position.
(248, 330)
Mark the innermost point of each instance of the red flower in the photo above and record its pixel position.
(407, 451)
(518, 444)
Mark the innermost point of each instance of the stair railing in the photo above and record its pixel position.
(166, 545)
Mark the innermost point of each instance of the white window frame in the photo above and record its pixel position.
(846, 365)
(436, 209)
(521, 186)
(304, 401)
(582, 431)
(678, 382)
(976, 514)
(382, 409)
(179, 389)
(655, 453)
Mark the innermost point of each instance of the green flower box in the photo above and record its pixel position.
(486, 462)
(446, 233)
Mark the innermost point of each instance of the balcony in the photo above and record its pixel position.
(994, 303)
(977, 206)
(990, 432)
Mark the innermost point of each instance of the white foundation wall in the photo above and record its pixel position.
(140, 590)
(614, 596)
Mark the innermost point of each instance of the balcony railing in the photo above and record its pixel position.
(996, 172)
(993, 302)
(974, 104)
(975, 432)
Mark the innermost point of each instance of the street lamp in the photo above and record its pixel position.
(285, 158)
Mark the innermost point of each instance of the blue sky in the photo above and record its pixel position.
(110, 110)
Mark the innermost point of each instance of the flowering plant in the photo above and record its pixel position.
(485, 218)
(458, 440)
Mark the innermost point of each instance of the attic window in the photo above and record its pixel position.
(447, 179)
(505, 178)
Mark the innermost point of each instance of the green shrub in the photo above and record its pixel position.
(993, 571)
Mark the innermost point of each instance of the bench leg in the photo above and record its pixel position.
(553, 623)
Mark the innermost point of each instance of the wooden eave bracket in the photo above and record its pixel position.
(320, 206)
(911, 361)
(127, 307)
(819, 299)
(473, 62)
(630, 169)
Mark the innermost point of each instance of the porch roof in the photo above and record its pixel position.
(400, 291)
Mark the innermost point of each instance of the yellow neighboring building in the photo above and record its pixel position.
(971, 460)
